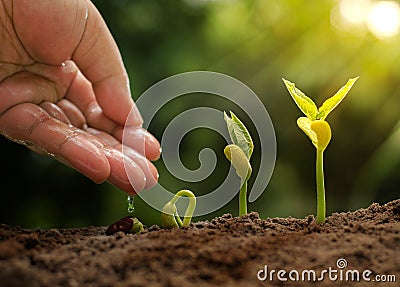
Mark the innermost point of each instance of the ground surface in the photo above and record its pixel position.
(226, 251)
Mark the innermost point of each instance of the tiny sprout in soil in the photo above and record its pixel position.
(239, 154)
(318, 130)
(170, 217)
(127, 224)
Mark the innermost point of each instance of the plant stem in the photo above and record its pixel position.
(190, 209)
(321, 205)
(243, 199)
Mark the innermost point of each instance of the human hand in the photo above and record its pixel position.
(64, 91)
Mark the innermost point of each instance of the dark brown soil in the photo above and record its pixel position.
(226, 251)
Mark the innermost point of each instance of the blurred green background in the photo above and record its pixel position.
(318, 45)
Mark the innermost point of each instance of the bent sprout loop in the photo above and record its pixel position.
(318, 130)
(239, 154)
(170, 217)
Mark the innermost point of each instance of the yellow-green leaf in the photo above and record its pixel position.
(304, 124)
(239, 161)
(239, 134)
(323, 133)
(305, 104)
(168, 216)
(333, 101)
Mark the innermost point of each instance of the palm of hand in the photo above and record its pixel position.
(64, 91)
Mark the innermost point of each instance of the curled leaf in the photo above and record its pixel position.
(304, 124)
(305, 104)
(318, 131)
(239, 161)
(323, 133)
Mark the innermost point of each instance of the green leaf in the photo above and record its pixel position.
(239, 161)
(332, 102)
(305, 104)
(304, 124)
(239, 134)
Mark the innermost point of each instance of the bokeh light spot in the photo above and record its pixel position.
(384, 19)
(381, 18)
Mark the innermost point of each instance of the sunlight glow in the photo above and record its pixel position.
(354, 11)
(381, 18)
(384, 19)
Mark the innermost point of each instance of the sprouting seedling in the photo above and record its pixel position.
(128, 224)
(170, 217)
(239, 154)
(318, 130)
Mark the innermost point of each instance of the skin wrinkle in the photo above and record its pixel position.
(89, 65)
(89, 49)
(21, 57)
(11, 17)
(60, 93)
(51, 84)
(8, 26)
(1, 20)
(18, 103)
(101, 89)
(99, 82)
(53, 87)
(44, 117)
(4, 72)
(69, 138)
(84, 29)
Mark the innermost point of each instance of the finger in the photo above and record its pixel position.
(140, 140)
(147, 167)
(125, 173)
(81, 94)
(28, 123)
(55, 111)
(144, 164)
(26, 87)
(73, 113)
(98, 57)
